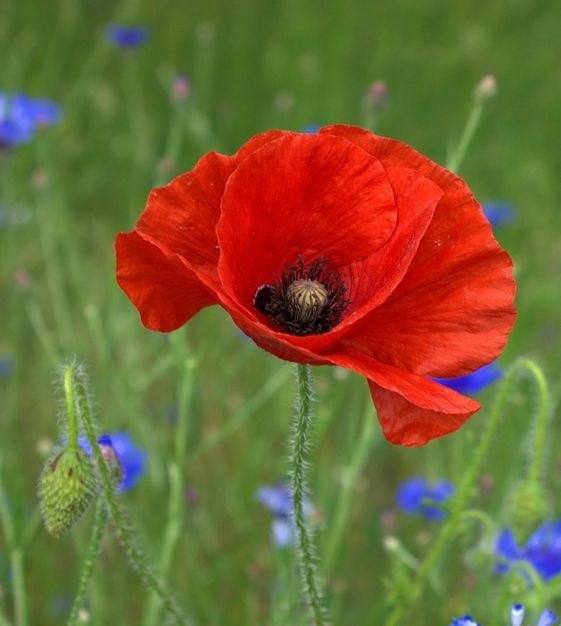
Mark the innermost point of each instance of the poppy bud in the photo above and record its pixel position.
(67, 487)
(528, 510)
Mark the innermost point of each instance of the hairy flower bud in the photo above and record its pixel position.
(529, 508)
(67, 487)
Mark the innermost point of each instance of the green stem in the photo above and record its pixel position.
(172, 533)
(116, 510)
(299, 446)
(70, 407)
(16, 559)
(465, 490)
(540, 420)
(468, 133)
(38, 324)
(20, 595)
(350, 477)
(100, 523)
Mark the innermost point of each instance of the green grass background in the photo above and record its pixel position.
(256, 65)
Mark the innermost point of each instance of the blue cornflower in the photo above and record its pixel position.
(466, 620)
(312, 129)
(278, 499)
(498, 212)
(475, 382)
(132, 458)
(17, 123)
(127, 36)
(45, 112)
(6, 366)
(20, 115)
(542, 550)
(547, 618)
(412, 493)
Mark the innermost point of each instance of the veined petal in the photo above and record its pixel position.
(307, 195)
(412, 409)
(182, 215)
(166, 293)
(458, 289)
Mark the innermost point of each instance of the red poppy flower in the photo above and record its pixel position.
(341, 248)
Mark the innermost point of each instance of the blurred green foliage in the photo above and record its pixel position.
(253, 66)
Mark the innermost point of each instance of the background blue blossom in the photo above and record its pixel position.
(412, 493)
(20, 115)
(278, 500)
(127, 36)
(498, 213)
(542, 550)
(132, 458)
(475, 382)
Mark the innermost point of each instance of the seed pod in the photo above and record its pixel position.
(67, 487)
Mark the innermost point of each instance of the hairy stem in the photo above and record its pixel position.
(94, 548)
(70, 408)
(116, 511)
(540, 420)
(299, 447)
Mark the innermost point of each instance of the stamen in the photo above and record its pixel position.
(305, 300)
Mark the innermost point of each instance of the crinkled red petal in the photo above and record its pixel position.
(182, 215)
(412, 409)
(167, 266)
(308, 195)
(454, 307)
(166, 293)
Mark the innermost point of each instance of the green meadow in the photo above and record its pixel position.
(212, 410)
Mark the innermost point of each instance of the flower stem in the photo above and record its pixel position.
(351, 474)
(70, 408)
(540, 420)
(186, 367)
(20, 595)
(16, 559)
(466, 137)
(299, 447)
(100, 524)
(117, 512)
(467, 485)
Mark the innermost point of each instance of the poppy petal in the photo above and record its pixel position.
(377, 276)
(392, 152)
(412, 409)
(166, 293)
(182, 215)
(302, 195)
(458, 290)
(372, 279)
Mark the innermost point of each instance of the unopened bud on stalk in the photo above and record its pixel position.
(529, 508)
(181, 88)
(485, 89)
(378, 94)
(67, 487)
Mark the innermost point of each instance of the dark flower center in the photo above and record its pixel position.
(305, 300)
